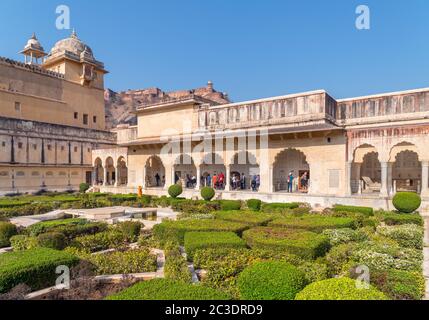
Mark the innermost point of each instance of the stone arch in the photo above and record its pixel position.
(366, 169)
(403, 146)
(109, 166)
(155, 172)
(213, 164)
(407, 170)
(293, 161)
(185, 171)
(122, 171)
(244, 169)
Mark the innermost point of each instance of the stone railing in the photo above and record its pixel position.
(125, 133)
(31, 68)
(292, 109)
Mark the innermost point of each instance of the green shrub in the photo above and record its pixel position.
(131, 229)
(176, 266)
(254, 204)
(164, 289)
(364, 210)
(204, 240)
(207, 193)
(7, 231)
(190, 207)
(130, 261)
(305, 244)
(23, 242)
(407, 202)
(399, 285)
(270, 207)
(118, 199)
(407, 235)
(248, 217)
(35, 268)
(111, 239)
(229, 205)
(339, 289)
(393, 218)
(338, 258)
(83, 187)
(27, 210)
(314, 271)
(339, 236)
(175, 230)
(315, 223)
(175, 190)
(52, 240)
(270, 281)
(11, 203)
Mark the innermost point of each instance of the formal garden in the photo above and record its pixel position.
(216, 249)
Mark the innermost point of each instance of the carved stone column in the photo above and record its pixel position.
(425, 178)
(349, 178)
(105, 176)
(384, 179)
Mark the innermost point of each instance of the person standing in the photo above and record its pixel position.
(157, 179)
(243, 181)
(215, 181)
(258, 182)
(209, 180)
(290, 182)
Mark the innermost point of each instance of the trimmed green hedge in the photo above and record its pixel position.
(176, 267)
(164, 289)
(111, 239)
(399, 285)
(52, 240)
(207, 193)
(302, 243)
(393, 218)
(205, 240)
(130, 229)
(175, 190)
(270, 281)
(364, 210)
(175, 230)
(7, 231)
(248, 217)
(407, 202)
(230, 205)
(338, 289)
(35, 268)
(269, 207)
(315, 223)
(254, 204)
(407, 235)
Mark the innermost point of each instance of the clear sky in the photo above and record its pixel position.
(250, 49)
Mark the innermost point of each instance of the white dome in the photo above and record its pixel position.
(72, 45)
(33, 44)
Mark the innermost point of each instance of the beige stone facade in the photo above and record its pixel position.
(358, 151)
(51, 117)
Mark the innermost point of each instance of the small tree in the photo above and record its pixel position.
(83, 187)
(175, 190)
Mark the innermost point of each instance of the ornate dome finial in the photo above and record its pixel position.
(34, 36)
(74, 34)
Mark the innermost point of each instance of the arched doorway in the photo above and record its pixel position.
(407, 172)
(122, 172)
(155, 173)
(294, 162)
(185, 172)
(98, 172)
(244, 172)
(111, 175)
(365, 175)
(213, 171)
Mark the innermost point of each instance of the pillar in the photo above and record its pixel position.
(228, 178)
(105, 176)
(384, 179)
(270, 180)
(349, 178)
(144, 178)
(198, 186)
(425, 178)
(116, 176)
(390, 178)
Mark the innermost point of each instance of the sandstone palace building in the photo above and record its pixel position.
(53, 136)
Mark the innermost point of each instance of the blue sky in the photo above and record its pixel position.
(250, 49)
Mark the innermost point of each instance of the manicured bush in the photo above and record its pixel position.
(270, 281)
(399, 285)
(35, 268)
(407, 235)
(393, 218)
(23, 242)
(270, 207)
(192, 207)
(302, 243)
(131, 229)
(339, 289)
(52, 240)
(175, 230)
(83, 187)
(207, 193)
(364, 210)
(164, 289)
(130, 261)
(315, 223)
(27, 210)
(337, 259)
(176, 266)
(52, 225)
(204, 240)
(7, 231)
(118, 199)
(229, 205)
(111, 239)
(248, 217)
(254, 204)
(345, 235)
(407, 202)
(12, 203)
(175, 190)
